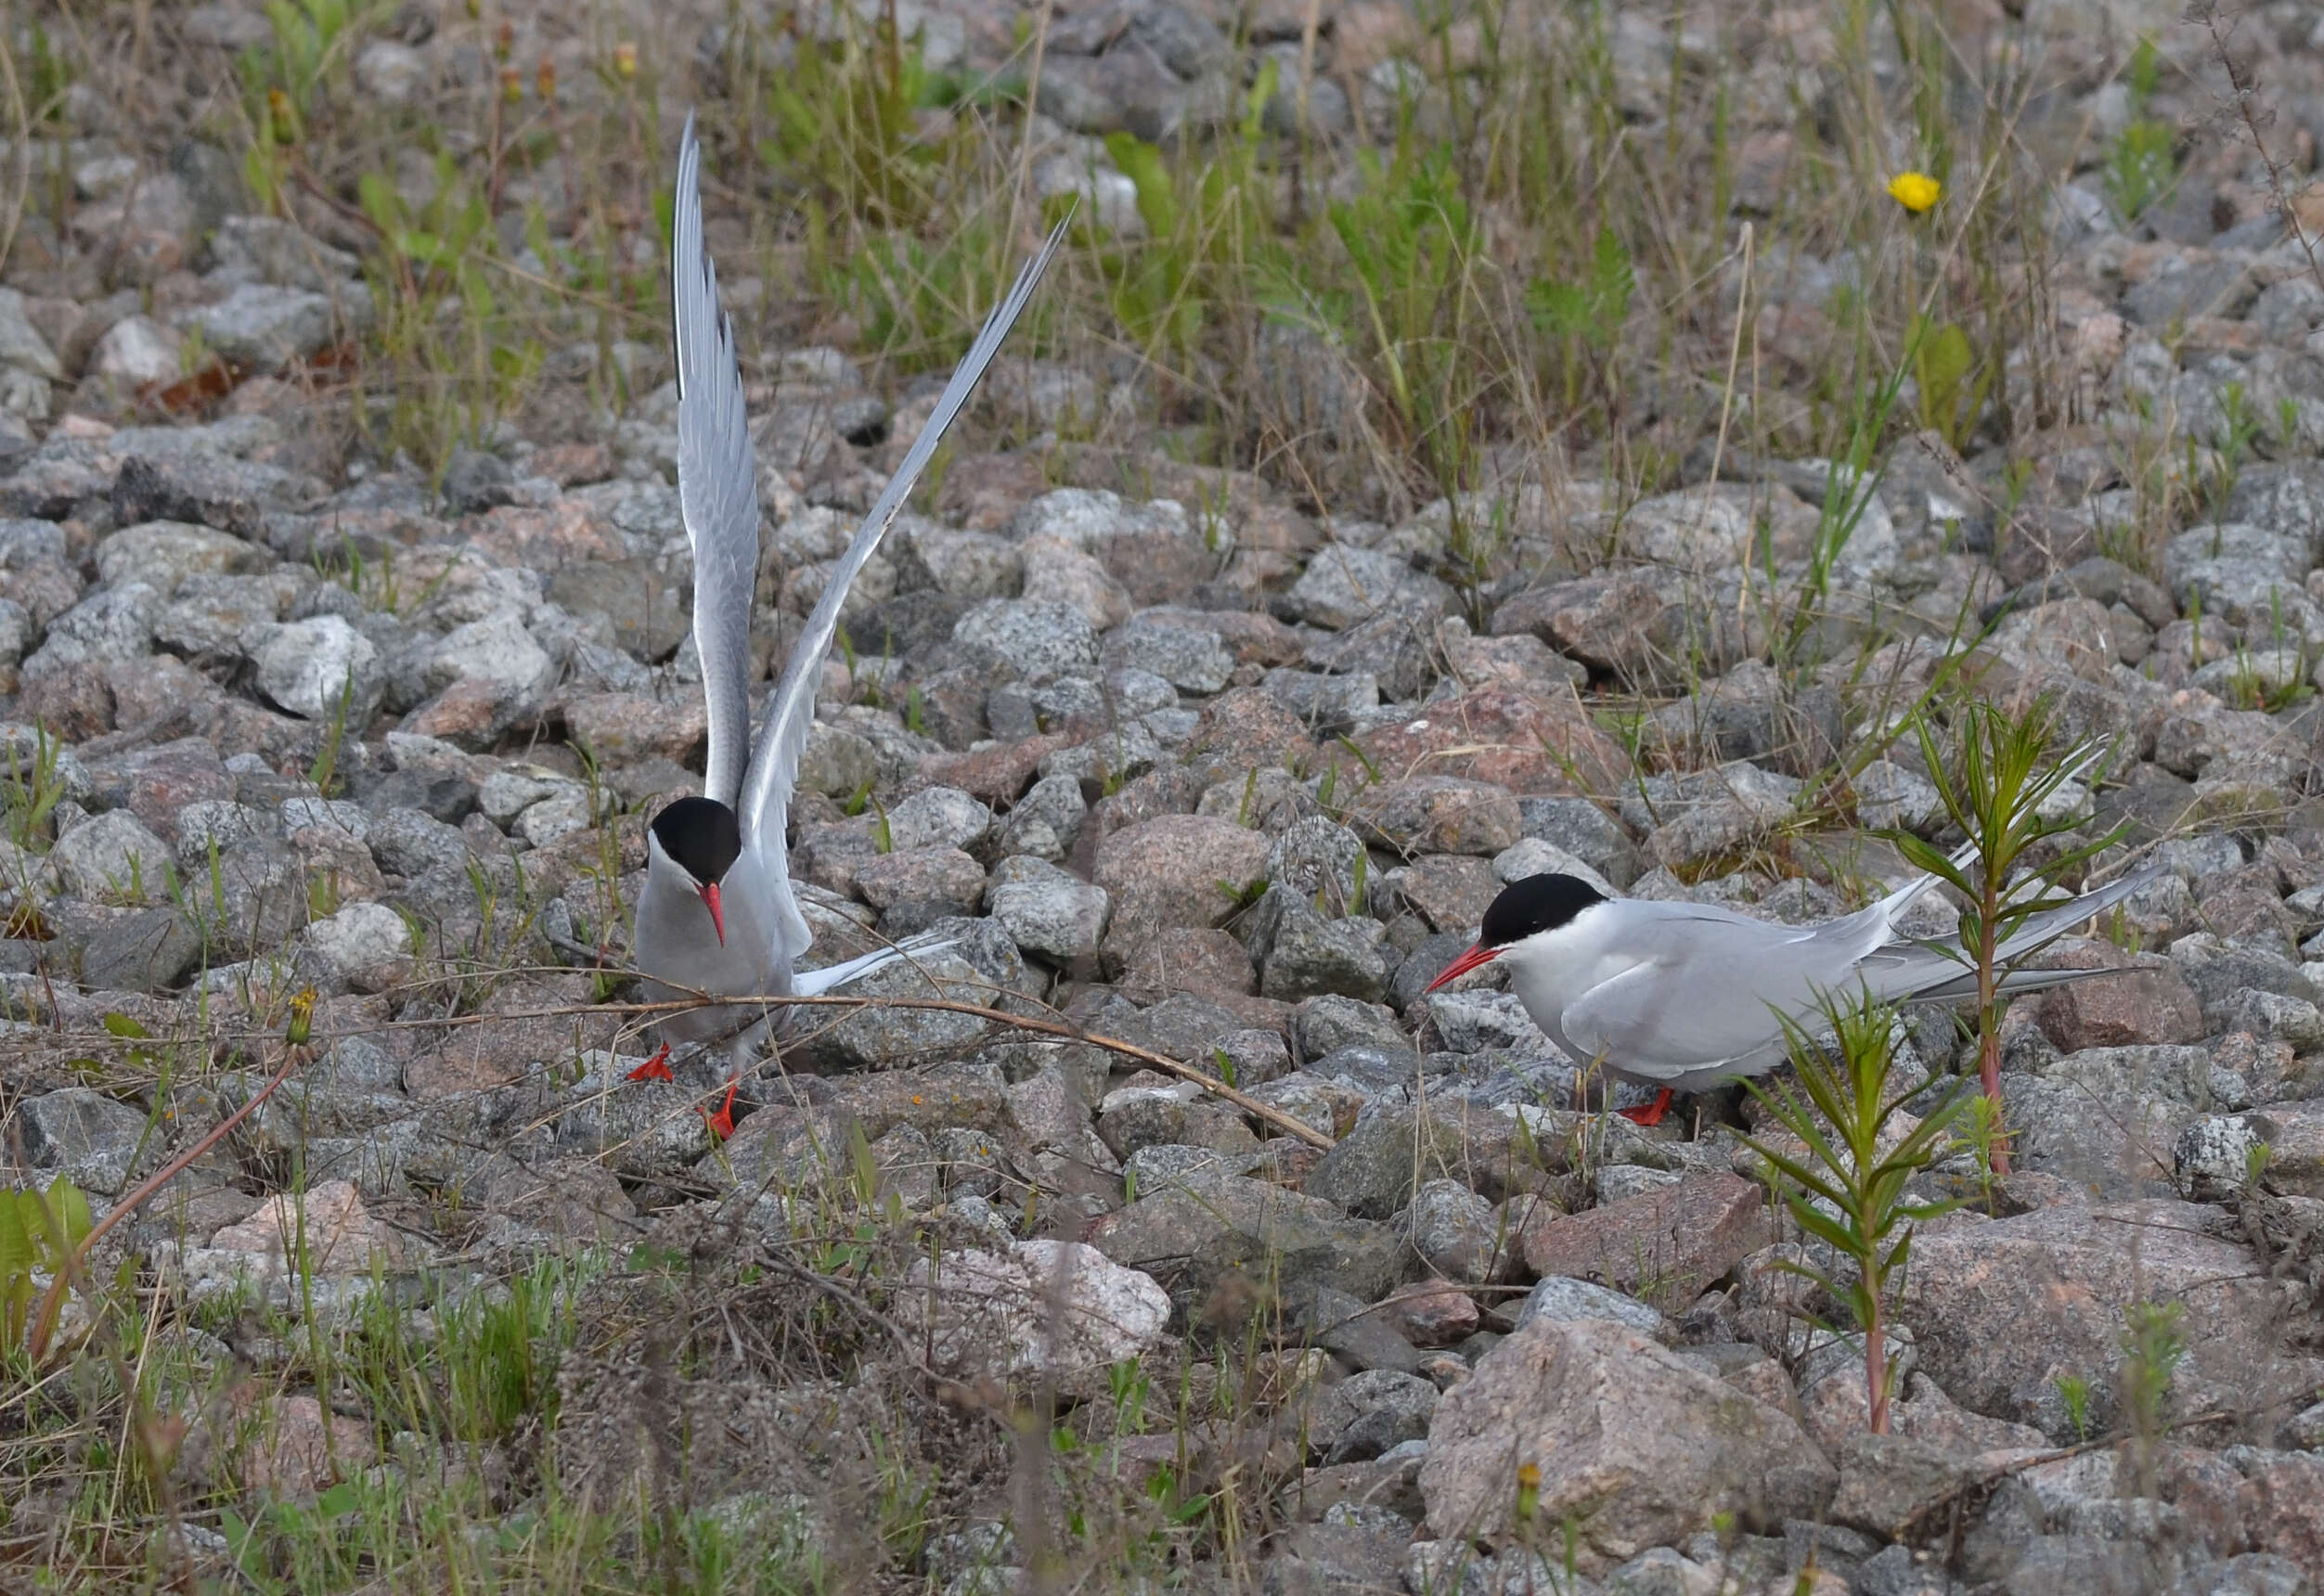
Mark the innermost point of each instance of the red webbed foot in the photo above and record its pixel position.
(1652, 1114)
(656, 1068)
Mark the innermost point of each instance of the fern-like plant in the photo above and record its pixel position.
(1998, 788)
(1842, 1188)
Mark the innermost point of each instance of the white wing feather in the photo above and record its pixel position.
(782, 737)
(717, 483)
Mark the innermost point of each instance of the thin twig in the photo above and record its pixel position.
(51, 1302)
(1248, 1105)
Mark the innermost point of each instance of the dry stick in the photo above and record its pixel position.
(1274, 1116)
(51, 1302)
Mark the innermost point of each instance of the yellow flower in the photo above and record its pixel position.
(1915, 190)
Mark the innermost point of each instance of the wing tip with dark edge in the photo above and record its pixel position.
(688, 180)
(768, 782)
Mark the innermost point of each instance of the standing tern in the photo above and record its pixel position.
(718, 915)
(1685, 995)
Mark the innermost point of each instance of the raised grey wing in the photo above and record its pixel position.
(782, 735)
(717, 483)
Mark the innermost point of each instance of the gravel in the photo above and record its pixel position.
(1174, 756)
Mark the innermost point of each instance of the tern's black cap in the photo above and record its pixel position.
(1535, 905)
(701, 836)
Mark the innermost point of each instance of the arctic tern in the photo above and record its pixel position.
(1685, 995)
(718, 915)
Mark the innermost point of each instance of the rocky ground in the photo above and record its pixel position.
(1203, 758)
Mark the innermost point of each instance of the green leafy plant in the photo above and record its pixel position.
(920, 301)
(325, 771)
(1953, 387)
(1246, 895)
(460, 358)
(32, 789)
(1592, 309)
(1409, 237)
(309, 44)
(2142, 161)
(1997, 787)
(1846, 1185)
(1850, 485)
(2153, 1342)
(1981, 1134)
(846, 123)
(2074, 1392)
(39, 1232)
(1205, 224)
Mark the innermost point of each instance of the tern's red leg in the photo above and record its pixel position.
(656, 1068)
(1650, 1114)
(722, 1123)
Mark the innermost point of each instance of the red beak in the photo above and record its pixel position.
(1475, 957)
(717, 920)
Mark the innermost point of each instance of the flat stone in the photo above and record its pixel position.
(1019, 640)
(1220, 1243)
(1893, 1485)
(1504, 736)
(2294, 1135)
(1245, 729)
(129, 951)
(1376, 1168)
(1371, 1412)
(1311, 954)
(1342, 585)
(1182, 870)
(1449, 891)
(1455, 1231)
(328, 1228)
(1044, 1308)
(921, 875)
(1207, 963)
(1635, 1446)
(306, 667)
(1428, 1315)
(1436, 815)
(1051, 913)
(2152, 1003)
(997, 774)
(158, 784)
(165, 553)
(1562, 1297)
(83, 1135)
(113, 858)
(2006, 1308)
(624, 729)
(1611, 623)
(1664, 1246)
(264, 329)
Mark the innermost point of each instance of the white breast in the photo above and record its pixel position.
(676, 942)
